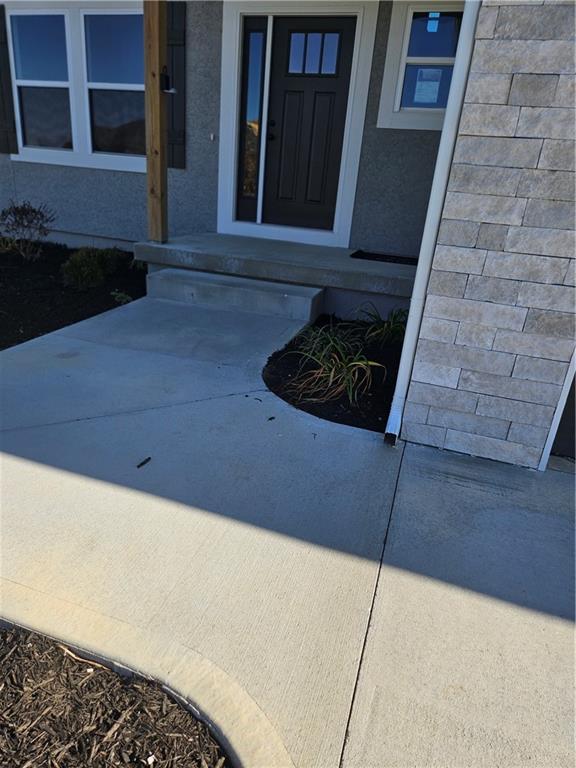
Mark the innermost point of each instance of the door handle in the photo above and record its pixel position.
(271, 136)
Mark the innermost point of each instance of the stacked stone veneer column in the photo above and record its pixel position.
(498, 327)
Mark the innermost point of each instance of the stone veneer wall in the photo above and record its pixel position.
(498, 327)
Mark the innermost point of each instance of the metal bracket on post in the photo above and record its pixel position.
(165, 82)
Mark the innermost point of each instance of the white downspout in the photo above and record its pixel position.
(558, 413)
(434, 213)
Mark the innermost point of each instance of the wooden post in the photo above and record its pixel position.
(155, 59)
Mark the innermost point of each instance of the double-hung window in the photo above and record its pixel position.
(115, 81)
(78, 83)
(419, 62)
(42, 88)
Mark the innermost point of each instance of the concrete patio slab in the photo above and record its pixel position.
(67, 379)
(174, 328)
(469, 658)
(252, 536)
(103, 365)
(324, 600)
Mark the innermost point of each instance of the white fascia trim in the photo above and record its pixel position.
(434, 214)
(389, 116)
(367, 15)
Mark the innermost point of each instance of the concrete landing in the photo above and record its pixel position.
(278, 260)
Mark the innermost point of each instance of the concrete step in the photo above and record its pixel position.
(241, 294)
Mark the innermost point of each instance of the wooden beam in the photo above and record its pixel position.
(155, 59)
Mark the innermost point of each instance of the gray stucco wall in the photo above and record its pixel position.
(194, 191)
(396, 169)
(91, 202)
(392, 194)
(113, 203)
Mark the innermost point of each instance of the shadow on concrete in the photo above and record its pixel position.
(206, 435)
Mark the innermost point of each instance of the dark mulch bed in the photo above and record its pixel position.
(34, 300)
(59, 711)
(371, 411)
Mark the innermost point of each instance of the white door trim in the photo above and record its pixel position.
(366, 14)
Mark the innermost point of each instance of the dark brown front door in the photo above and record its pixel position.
(309, 83)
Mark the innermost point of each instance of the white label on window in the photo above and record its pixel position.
(427, 86)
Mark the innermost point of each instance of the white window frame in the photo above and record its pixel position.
(390, 113)
(78, 86)
(88, 85)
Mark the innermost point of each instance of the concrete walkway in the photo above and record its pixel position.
(469, 660)
(162, 509)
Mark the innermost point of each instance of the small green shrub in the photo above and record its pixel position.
(89, 267)
(23, 227)
(120, 297)
(387, 331)
(333, 364)
(84, 269)
(112, 259)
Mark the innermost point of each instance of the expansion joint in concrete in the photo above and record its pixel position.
(372, 603)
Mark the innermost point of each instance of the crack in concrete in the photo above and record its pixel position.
(135, 410)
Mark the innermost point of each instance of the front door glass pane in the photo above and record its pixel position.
(297, 42)
(330, 53)
(39, 44)
(313, 49)
(313, 53)
(250, 118)
(252, 123)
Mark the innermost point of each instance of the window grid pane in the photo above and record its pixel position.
(115, 48)
(117, 121)
(45, 117)
(426, 86)
(434, 34)
(39, 45)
